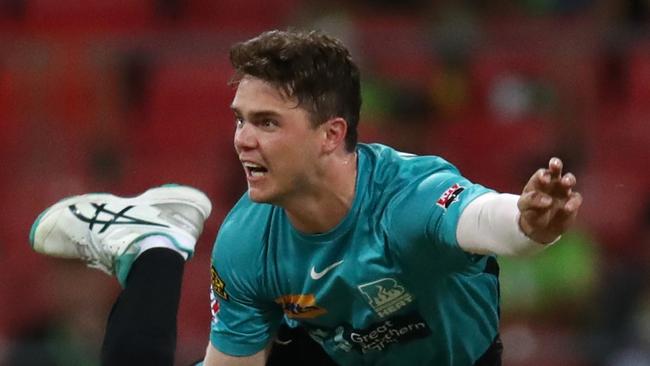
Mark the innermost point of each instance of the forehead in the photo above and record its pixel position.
(254, 93)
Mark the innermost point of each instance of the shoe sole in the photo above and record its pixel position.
(168, 193)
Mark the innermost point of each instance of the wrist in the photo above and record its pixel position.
(538, 236)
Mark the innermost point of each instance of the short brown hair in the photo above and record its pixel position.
(311, 66)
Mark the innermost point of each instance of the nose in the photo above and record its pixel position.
(245, 137)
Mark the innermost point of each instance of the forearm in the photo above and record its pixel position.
(490, 224)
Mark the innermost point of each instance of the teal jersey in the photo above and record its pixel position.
(389, 285)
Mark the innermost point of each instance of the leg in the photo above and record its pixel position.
(141, 328)
(144, 242)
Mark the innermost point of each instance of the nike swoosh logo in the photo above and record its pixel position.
(317, 275)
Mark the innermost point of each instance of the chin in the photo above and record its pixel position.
(258, 197)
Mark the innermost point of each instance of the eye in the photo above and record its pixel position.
(269, 123)
(239, 122)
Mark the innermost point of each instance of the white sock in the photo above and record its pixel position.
(159, 241)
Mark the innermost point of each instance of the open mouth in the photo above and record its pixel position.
(254, 170)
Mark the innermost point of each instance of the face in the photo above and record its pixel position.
(275, 142)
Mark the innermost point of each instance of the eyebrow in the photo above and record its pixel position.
(257, 114)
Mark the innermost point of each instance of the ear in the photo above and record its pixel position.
(334, 132)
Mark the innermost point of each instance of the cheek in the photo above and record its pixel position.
(293, 154)
(234, 141)
(306, 157)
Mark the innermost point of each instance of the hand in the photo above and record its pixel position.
(548, 205)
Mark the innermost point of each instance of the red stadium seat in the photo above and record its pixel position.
(188, 108)
(238, 15)
(492, 65)
(218, 175)
(620, 139)
(639, 75)
(395, 47)
(11, 130)
(551, 70)
(499, 155)
(616, 184)
(89, 15)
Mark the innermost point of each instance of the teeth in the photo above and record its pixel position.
(252, 165)
(254, 170)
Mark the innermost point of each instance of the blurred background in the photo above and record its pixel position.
(122, 95)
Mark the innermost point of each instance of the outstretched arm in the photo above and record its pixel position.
(507, 224)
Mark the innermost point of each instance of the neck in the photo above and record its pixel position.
(328, 201)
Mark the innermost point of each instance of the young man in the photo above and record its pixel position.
(384, 258)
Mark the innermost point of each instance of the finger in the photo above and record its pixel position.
(555, 168)
(535, 201)
(573, 204)
(565, 217)
(539, 181)
(562, 187)
(568, 180)
(569, 209)
(566, 184)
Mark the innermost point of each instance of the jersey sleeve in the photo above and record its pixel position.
(243, 322)
(424, 217)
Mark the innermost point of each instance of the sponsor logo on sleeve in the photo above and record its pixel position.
(300, 306)
(450, 196)
(214, 304)
(218, 286)
(386, 296)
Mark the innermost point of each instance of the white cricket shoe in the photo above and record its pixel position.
(104, 230)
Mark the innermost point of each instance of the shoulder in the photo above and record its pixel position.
(239, 253)
(388, 164)
(396, 177)
(242, 232)
(246, 217)
(417, 190)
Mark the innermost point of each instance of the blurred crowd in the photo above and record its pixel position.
(119, 96)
